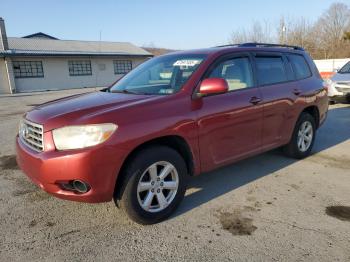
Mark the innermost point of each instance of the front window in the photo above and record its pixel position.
(236, 71)
(345, 69)
(159, 76)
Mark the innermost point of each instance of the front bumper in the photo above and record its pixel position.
(339, 92)
(340, 98)
(98, 167)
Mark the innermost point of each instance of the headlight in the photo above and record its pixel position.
(21, 127)
(75, 137)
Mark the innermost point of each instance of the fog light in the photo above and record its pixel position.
(76, 186)
(80, 186)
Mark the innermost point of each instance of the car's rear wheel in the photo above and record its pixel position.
(303, 137)
(154, 185)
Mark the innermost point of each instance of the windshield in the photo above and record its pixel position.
(345, 69)
(159, 76)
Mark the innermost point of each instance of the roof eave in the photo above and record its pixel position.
(11, 53)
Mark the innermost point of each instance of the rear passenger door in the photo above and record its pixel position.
(275, 75)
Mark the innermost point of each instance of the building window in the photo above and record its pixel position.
(80, 68)
(122, 66)
(24, 69)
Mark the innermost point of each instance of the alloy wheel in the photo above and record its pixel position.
(157, 186)
(305, 135)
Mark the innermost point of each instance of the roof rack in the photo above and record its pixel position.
(265, 45)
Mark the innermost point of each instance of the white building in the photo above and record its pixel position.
(40, 62)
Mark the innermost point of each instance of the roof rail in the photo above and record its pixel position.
(265, 45)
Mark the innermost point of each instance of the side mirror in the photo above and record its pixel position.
(335, 70)
(211, 86)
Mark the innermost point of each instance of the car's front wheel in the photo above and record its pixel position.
(154, 185)
(303, 137)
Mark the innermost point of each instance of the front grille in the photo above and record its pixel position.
(344, 83)
(32, 135)
(343, 89)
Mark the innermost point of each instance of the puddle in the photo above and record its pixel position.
(26, 188)
(296, 187)
(50, 224)
(71, 232)
(8, 162)
(33, 223)
(18, 193)
(236, 224)
(340, 212)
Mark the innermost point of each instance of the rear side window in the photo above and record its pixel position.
(270, 70)
(300, 66)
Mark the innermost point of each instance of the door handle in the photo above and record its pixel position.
(296, 91)
(255, 100)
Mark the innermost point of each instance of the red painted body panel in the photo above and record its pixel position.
(218, 129)
(229, 128)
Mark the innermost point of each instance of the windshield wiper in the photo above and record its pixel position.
(126, 91)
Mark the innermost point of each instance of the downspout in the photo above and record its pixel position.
(7, 61)
(12, 88)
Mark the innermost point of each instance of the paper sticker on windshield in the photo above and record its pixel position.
(187, 62)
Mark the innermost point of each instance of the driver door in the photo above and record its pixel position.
(230, 124)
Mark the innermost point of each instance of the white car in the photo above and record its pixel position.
(339, 85)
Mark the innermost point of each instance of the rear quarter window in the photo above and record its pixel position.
(300, 66)
(270, 70)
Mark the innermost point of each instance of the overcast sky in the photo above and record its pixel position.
(180, 24)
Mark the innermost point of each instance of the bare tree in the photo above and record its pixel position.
(331, 28)
(258, 32)
(328, 37)
(298, 32)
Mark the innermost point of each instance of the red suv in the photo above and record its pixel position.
(172, 117)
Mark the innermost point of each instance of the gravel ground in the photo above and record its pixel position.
(266, 208)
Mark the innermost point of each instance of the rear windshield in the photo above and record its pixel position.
(163, 75)
(345, 69)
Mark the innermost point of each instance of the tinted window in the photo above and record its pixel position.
(237, 72)
(270, 70)
(345, 69)
(300, 67)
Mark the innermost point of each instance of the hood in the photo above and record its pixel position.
(341, 77)
(81, 108)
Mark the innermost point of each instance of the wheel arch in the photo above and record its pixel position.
(175, 142)
(314, 112)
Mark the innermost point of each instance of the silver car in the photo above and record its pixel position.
(339, 85)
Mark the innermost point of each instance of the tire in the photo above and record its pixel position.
(150, 160)
(295, 150)
(348, 99)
